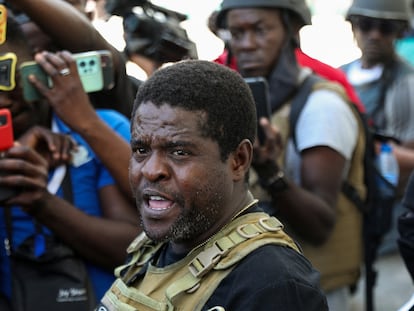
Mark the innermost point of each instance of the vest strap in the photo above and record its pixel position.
(207, 259)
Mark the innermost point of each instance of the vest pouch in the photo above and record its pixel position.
(56, 280)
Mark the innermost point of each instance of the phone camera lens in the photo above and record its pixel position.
(3, 120)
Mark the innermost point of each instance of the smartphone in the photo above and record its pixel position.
(6, 142)
(8, 63)
(95, 70)
(90, 70)
(30, 92)
(260, 91)
(6, 130)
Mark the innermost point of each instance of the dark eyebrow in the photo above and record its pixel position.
(134, 141)
(178, 143)
(169, 144)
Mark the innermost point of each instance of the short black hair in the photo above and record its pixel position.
(200, 85)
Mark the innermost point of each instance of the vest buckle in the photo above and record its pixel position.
(206, 260)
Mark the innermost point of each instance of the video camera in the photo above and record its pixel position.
(153, 31)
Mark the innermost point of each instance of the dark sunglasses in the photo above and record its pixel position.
(386, 27)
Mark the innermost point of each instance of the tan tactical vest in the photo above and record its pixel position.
(340, 258)
(188, 283)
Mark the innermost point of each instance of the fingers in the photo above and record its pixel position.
(273, 134)
(55, 147)
(66, 55)
(61, 71)
(273, 138)
(64, 72)
(23, 168)
(56, 64)
(59, 148)
(63, 147)
(66, 94)
(272, 147)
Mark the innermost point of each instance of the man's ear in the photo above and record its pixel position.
(242, 159)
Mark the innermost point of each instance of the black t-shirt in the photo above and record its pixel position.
(272, 277)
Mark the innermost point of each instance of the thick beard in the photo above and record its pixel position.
(189, 225)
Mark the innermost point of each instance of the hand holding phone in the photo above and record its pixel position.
(260, 91)
(94, 67)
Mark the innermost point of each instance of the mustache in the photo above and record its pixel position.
(157, 189)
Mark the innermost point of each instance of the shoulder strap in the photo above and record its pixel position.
(299, 101)
(388, 76)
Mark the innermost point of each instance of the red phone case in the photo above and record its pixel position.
(6, 130)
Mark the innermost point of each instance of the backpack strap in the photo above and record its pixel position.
(363, 203)
(299, 101)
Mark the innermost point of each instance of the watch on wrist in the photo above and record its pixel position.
(276, 183)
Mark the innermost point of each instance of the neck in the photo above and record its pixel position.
(246, 202)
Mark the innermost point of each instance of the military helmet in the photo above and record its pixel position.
(385, 9)
(298, 7)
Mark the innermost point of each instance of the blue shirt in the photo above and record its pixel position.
(88, 176)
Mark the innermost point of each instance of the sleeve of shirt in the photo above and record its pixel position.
(270, 278)
(399, 109)
(326, 120)
(287, 296)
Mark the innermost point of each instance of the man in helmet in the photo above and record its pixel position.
(384, 81)
(301, 182)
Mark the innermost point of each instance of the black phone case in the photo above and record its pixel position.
(260, 91)
(30, 93)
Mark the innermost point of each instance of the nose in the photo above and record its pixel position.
(154, 168)
(247, 40)
(374, 33)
